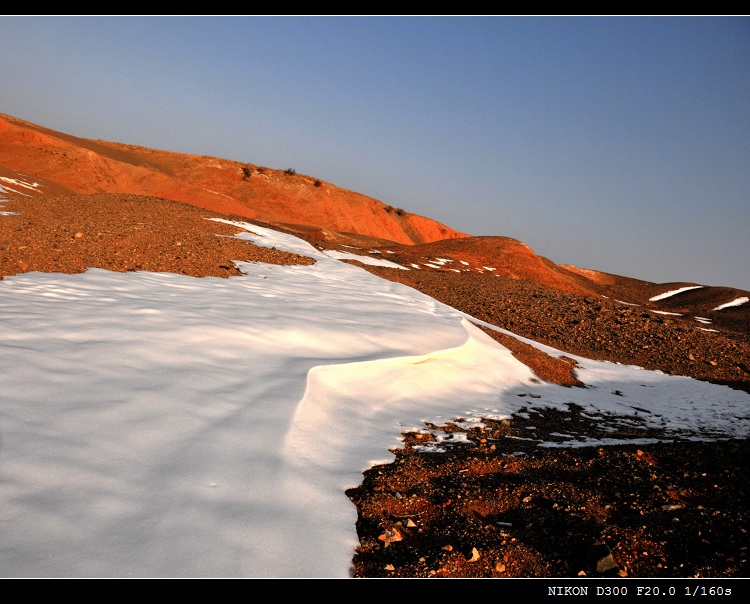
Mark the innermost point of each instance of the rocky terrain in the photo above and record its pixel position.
(503, 507)
(493, 504)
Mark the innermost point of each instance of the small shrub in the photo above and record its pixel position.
(261, 169)
(317, 183)
(290, 171)
(247, 172)
(400, 212)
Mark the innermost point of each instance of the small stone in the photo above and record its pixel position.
(671, 507)
(499, 567)
(447, 548)
(389, 536)
(474, 555)
(410, 523)
(599, 558)
(79, 235)
(390, 567)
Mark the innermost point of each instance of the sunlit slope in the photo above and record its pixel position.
(80, 165)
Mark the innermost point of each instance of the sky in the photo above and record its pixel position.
(620, 144)
(158, 425)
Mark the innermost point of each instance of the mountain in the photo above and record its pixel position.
(147, 413)
(66, 164)
(65, 167)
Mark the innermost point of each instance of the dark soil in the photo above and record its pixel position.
(502, 506)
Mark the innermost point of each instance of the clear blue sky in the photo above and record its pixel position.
(620, 144)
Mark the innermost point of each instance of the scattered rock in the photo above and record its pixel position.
(599, 558)
(390, 535)
(537, 514)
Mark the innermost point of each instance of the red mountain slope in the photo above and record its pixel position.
(76, 165)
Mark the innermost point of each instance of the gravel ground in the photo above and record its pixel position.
(123, 233)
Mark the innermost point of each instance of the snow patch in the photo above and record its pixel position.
(674, 292)
(735, 302)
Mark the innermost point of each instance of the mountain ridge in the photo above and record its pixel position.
(318, 211)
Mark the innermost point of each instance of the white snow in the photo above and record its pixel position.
(735, 302)
(674, 292)
(159, 425)
(17, 183)
(363, 259)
